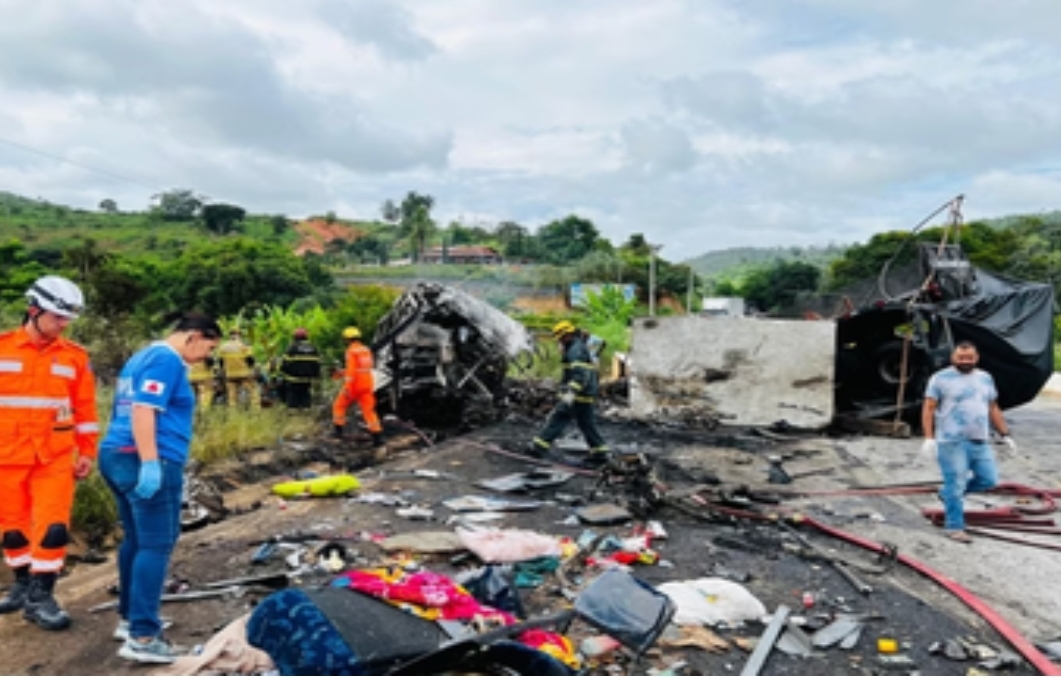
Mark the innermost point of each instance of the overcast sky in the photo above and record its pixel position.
(702, 124)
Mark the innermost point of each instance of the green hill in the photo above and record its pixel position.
(732, 262)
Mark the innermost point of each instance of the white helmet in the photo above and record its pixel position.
(56, 295)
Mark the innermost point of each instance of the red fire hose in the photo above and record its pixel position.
(1040, 661)
(1031, 653)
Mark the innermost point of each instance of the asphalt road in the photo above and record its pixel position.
(1017, 581)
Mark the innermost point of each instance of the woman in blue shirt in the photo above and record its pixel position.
(142, 458)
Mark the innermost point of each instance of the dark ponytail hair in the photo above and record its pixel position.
(194, 322)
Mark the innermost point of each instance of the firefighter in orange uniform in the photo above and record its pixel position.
(358, 386)
(48, 435)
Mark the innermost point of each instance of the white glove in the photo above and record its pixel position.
(928, 450)
(1010, 443)
(568, 398)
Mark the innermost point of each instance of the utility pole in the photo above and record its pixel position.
(689, 293)
(652, 250)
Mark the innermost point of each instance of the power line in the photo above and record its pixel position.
(65, 160)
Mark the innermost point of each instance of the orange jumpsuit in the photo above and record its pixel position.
(358, 386)
(47, 419)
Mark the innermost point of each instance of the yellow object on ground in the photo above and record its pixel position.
(321, 487)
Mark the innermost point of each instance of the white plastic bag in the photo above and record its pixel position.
(711, 601)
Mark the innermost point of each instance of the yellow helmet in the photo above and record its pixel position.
(564, 327)
(351, 333)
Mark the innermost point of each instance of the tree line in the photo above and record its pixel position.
(241, 260)
(1026, 248)
(188, 253)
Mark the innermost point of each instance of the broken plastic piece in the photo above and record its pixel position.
(835, 632)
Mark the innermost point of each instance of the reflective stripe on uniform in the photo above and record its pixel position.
(10, 366)
(35, 402)
(87, 428)
(42, 566)
(20, 560)
(63, 371)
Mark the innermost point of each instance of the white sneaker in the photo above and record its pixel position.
(153, 651)
(121, 631)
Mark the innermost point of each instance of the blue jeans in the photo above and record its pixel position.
(150, 530)
(967, 467)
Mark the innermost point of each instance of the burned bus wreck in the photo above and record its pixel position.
(442, 357)
(889, 347)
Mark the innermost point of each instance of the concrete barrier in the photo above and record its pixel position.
(751, 372)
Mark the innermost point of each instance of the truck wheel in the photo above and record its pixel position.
(887, 364)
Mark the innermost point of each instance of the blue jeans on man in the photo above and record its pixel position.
(967, 466)
(150, 530)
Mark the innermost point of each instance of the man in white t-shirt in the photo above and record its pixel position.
(960, 407)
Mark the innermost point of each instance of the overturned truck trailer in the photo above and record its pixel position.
(889, 345)
(442, 357)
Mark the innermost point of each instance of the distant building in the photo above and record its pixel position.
(723, 305)
(462, 255)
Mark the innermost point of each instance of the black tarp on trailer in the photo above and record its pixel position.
(909, 326)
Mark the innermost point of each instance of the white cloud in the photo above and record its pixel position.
(702, 124)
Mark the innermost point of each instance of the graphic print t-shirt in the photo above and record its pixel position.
(964, 400)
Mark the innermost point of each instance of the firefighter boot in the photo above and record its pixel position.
(15, 598)
(337, 432)
(377, 440)
(597, 458)
(41, 607)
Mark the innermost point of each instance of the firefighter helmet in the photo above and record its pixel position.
(351, 333)
(56, 295)
(562, 328)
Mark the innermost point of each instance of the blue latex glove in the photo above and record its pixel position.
(150, 479)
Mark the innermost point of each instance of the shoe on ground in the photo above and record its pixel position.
(535, 451)
(43, 610)
(586, 463)
(15, 599)
(153, 651)
(121, 631)
(958, 535)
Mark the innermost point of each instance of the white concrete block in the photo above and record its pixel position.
(750, 371)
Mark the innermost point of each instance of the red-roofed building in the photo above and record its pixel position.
(463, 255)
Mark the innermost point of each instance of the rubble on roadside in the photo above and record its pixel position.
(547, 543)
